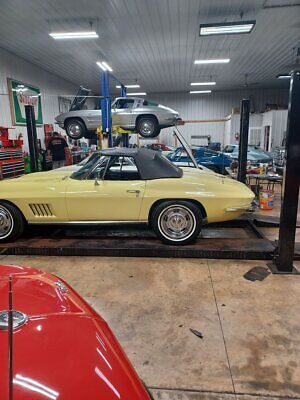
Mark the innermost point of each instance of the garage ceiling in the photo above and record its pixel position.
(154, 41)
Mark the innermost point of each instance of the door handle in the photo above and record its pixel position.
(137, 192)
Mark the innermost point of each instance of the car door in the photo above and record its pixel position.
(94, 119)
(210, 158)
(122, 112)
(112, 192)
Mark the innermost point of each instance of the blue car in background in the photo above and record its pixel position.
(211, 159)
(255, 154)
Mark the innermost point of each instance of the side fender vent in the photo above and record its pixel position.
(41, 210)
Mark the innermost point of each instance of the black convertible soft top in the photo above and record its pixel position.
(151, 164)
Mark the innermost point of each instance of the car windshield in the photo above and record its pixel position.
(253, 147)
(87, 159)
(83, 171)
(185, 145)
(229, 148)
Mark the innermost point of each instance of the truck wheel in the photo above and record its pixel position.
(148, 127)
(176, 222)
(11, 222)
(75, 128)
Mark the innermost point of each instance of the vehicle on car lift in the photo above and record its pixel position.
(131, 113)
(175, 202)
(56, 346)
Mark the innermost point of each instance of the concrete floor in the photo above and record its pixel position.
(251, 343)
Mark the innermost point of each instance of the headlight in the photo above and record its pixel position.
(19, 319)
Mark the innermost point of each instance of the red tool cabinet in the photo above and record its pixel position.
(11, 156)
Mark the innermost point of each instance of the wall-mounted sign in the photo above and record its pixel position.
(20, 95)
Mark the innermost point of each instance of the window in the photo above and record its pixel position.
(108, 168)
(123, 104)
(229, 149)
(116, 169)
(98, 172)
(83, 171)
(122, 169)
(149, 103)
(93, 156)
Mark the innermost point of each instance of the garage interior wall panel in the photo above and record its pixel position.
(50, 85)
(216, 105)
(279, 125)
(227, 131)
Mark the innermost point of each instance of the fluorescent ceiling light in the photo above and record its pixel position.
(74, 35)
(107, 66)
(203, 83)
(213, 61)
(104, 66)
(128, 86)
(199, 91)
(137, 94)
(226, 28)
(283, 76)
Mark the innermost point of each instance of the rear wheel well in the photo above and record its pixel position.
(197, 204)
(145, 115)
(76, 118)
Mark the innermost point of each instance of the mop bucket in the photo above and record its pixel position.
(266, 199)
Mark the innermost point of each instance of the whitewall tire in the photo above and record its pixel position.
(177, 222)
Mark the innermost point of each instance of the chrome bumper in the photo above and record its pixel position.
(234, 209)
(249, 208)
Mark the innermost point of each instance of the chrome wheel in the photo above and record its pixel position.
(6, 223)
(147, 128)
(176, 223)
(75, 130)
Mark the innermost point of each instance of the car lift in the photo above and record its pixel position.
(106, 109)
(238, 239)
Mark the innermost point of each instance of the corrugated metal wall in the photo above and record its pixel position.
(215, 105)
(279, 125)
(50, 85)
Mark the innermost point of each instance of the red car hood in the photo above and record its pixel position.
(64, 351)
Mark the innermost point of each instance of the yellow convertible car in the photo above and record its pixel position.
(123, 185)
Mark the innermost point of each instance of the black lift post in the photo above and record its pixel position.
(32, 138)
(289, 206)
(243, 143)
